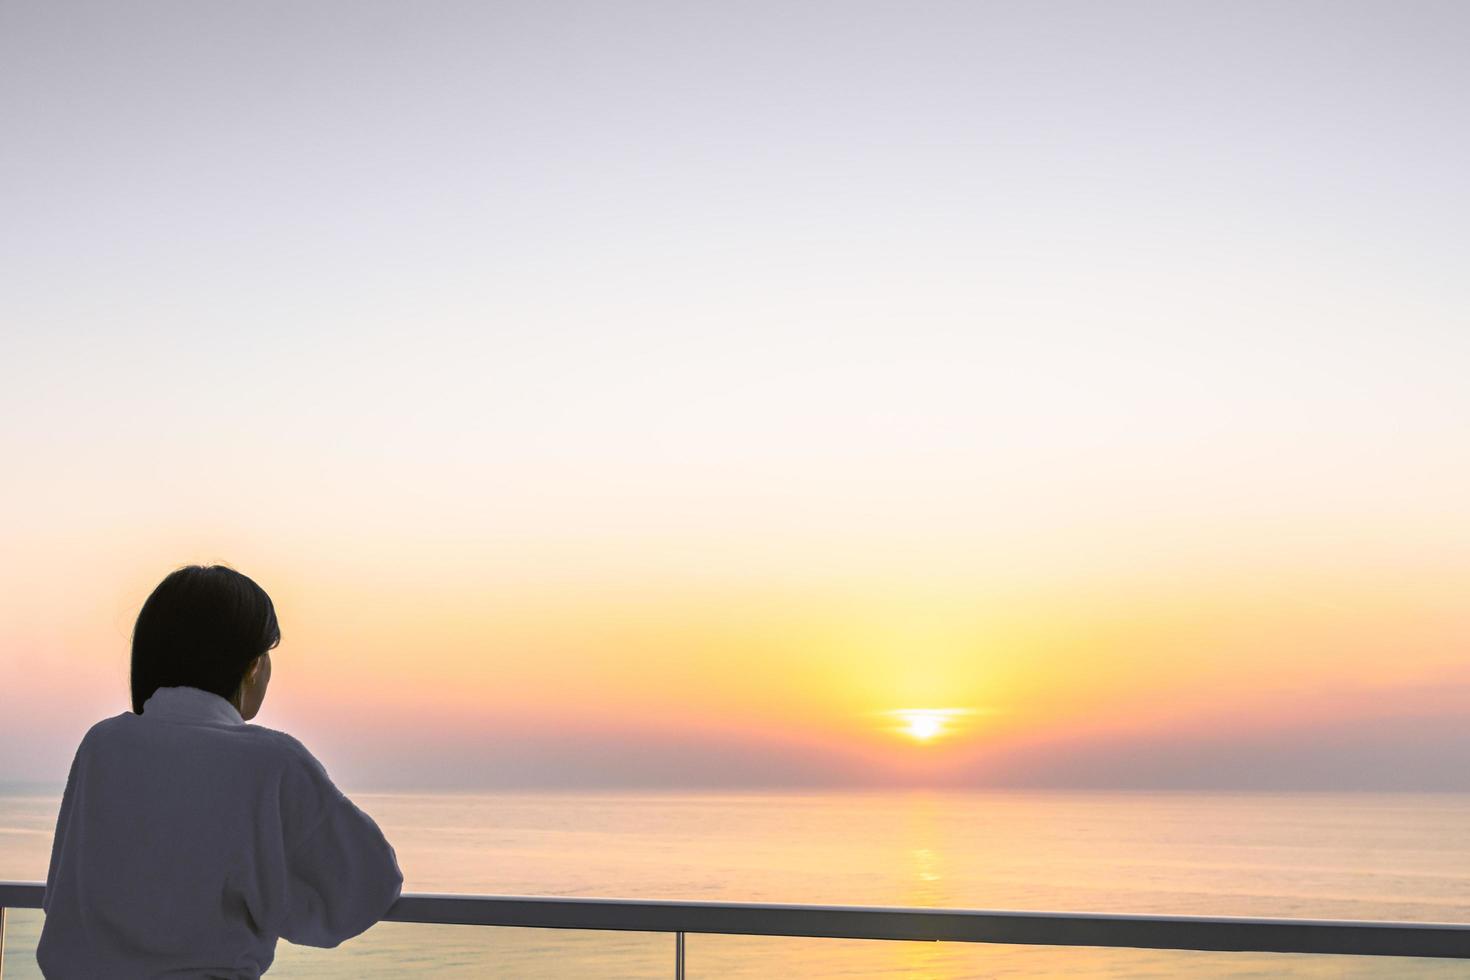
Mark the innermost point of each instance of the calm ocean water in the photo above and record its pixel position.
(1357, 856)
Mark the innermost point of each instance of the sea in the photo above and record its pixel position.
(1319, 855)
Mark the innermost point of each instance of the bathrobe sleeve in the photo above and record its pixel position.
(341, 875)
(63, 827)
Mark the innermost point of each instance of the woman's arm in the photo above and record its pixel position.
(343, 875)
(63, 824)
(328, 873)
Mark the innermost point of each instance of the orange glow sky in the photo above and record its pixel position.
(659, 421)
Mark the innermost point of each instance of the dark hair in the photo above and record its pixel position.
(201, 628)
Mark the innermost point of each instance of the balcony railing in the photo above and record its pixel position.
(1417, 939)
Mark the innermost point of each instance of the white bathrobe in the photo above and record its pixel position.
(188, 841)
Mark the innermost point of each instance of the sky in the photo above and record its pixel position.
(664, 394)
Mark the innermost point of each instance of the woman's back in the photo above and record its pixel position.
(189, 840)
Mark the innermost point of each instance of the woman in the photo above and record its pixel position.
(188, 840)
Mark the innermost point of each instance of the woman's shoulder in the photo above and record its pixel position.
(307, 794)
(283, 742)
(108, 731)
(264, 747)
(289, 750)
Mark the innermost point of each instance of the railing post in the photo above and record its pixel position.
(2, 942)
(678, 956)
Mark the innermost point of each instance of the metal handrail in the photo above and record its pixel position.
(1183, 932)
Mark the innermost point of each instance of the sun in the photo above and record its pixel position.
(927, 724)
(924, 727)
